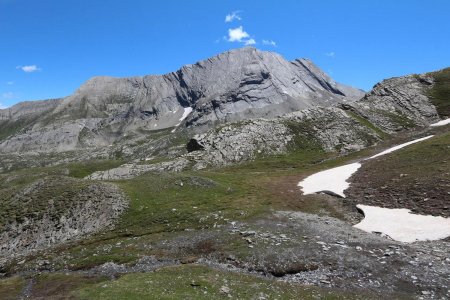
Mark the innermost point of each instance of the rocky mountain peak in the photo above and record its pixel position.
(236, 85)
(243, 78)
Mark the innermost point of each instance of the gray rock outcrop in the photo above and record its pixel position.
(64, 214)
(398, 103)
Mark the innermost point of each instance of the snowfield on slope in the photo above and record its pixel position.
(186, 112)
(441, 123)
(401, 225)
(335, 180)
(390, 150)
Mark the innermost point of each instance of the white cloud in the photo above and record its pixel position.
(10, 82)
(240, 35)
(237, 34)
(28, 69)
(8, 95)
(250, 42)
(330, 54)
(269, 43)
(2, 106)
(233, 16)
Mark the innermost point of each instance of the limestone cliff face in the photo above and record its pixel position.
(234, 86)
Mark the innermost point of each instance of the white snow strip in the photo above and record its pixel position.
(333, 180)
(401, 225)
(441, 123)
(400, 146)
(187, 111)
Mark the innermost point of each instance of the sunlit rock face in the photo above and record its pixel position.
(236, 85)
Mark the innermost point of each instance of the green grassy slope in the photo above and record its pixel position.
(440, 93)
(165, 204)
(416, 177)
(198, 282)
(11, 288)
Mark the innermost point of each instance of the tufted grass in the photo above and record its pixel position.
(199, 282)
(440, 93)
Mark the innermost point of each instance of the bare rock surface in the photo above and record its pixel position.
(52, 211)
(400, 102)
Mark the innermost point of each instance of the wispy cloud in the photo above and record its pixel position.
(8, 95)
(330, 54)
(269, 43)
(233, 16)
(3, 106)
(28, 69)
(10, 82)
(250, 42)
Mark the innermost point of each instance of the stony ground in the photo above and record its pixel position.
(303, 250)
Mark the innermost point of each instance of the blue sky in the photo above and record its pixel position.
(49, 47)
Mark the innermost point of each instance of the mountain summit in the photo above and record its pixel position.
(236, 85)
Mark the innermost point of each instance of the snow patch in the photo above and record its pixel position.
(398, 223)
(187, 111)
(400, 146)
(401, 225)
(441, 123)
(333, 180)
